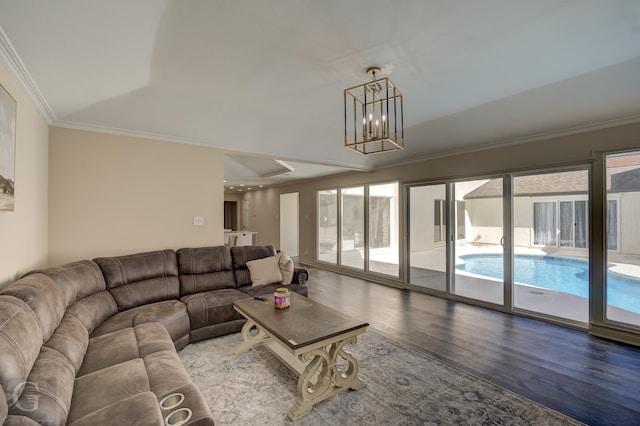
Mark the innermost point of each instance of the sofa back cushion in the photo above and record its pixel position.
(243, 254)
(45, 299)
(139, 279)
(76, 280)
(205, 269)
(94, 310)
(20, 342)
(46, 397)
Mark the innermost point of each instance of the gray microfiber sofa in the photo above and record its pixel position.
(94, 342)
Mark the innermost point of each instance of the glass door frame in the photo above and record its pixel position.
(450, 240)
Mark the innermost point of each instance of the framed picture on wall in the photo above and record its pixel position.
(7, 149)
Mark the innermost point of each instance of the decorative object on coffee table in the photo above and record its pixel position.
(310, 339)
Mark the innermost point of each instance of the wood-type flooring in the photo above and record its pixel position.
(593, 380)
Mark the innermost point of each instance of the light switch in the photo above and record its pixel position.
(198, 220)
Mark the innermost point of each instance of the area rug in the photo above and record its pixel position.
(404, 387)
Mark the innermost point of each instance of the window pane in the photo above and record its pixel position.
(544, 224)
(460, 220)
(328, 225)
(612, 225)
(566, 224)
(438, 224)
(623, 238)
(427, 252)
(581, 224)
(383, 229)
(553, 280)
(352, 253)
(478, 251)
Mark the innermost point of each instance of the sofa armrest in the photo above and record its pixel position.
(300, 275)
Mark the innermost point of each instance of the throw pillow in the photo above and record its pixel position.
(265, 270)
(286, 267)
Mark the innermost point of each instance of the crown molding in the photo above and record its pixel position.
(195, 141)
(621, 121)
(10, 59)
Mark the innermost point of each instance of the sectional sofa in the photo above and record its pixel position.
(94, 342)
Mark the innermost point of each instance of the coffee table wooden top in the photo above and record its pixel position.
(303, 323)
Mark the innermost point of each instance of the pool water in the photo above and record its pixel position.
(566, 275)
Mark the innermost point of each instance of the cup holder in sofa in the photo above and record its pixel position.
(178, 417)
(171, 401)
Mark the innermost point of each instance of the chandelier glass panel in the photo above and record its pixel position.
(373, 116)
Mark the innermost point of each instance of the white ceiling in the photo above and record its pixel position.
(266, 77)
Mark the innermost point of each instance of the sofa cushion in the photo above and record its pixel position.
(124, 345)
(165, 371)
(18, 349)
(142, 278)
(243, 254)
(44, 298)
(102, 388)
(4, 408)
(212, 307)
(204, 269)
(71, 339)
(265, 270)
(93, 310)
(46, 397)
(76, 280)
(141, 409)
(172, 314)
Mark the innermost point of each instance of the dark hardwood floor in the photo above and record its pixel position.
(590, 379)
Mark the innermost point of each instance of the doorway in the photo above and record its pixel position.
(231, 215)
(289, 223)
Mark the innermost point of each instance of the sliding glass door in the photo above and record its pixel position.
(384, 229)
(551, 261)
(427, 236)
(327, 203)
(352, 230)
(623, 238)
(478, 249)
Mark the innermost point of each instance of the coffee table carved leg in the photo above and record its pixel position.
(251, 335)
(322, 378)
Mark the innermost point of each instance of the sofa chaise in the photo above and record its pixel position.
(94, 342)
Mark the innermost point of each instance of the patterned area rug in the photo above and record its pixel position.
(404, 387)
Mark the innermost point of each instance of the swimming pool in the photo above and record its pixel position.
(561, 274)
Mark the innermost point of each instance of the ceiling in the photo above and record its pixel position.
(267, 78)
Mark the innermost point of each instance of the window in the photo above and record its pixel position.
(384, 226)
(612, 224)
(461, 220)
(438, 221)
(328, 225)
(358, 227)
(544, 223)
(352, 232)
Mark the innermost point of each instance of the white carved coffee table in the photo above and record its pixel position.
(310, 339)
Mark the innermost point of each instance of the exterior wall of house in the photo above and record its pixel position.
(629, 223)
(23, 231)
(422, 230)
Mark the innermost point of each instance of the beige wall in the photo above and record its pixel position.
(264, 216)
(574, 149)
(23, 231)
(113, 195)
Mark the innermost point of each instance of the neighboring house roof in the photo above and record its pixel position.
(619, 179)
